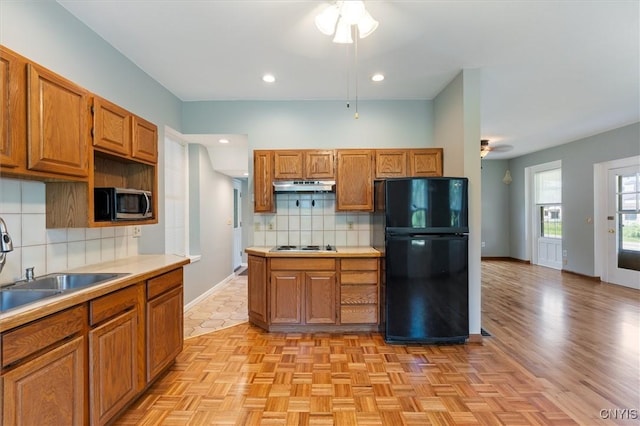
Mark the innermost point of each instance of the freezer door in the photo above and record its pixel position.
(428, 205)
(426, 292)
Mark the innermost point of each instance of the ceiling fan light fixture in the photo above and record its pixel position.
(326, 21)
(366, 25)
(352, 11)
(338, 18)
(343, 32)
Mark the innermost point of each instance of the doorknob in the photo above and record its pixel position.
(612, 231)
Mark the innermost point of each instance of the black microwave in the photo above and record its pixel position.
(113, 204)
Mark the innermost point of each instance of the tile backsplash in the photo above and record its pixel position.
(22, 206)
(311, 219)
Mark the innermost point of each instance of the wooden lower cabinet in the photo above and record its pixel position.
(256, 282)
(49, 389)
(286, 297)
(303, 297)
(320, 298)
(165, 331)
(113, 377)
(116, 341)
(314, 293)
(359, 290)
(85, 364)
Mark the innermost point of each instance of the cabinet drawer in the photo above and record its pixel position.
(316, 264)
(35, 336)
(359, 264)
(359, 314)
(112, 304)
(358, 294)
(364, 277)
(165, 282)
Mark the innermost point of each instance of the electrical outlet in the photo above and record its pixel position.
(137, 231)
(350, 226)
(484, 244)
(270, 226)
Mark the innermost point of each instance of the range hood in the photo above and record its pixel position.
(304, 185)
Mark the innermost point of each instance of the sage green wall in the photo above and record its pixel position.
(314, 124)
(457, 130)
(577, 158)
(495, 209)
(44, 32)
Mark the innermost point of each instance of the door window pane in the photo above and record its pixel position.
(551, 221)
(628, 215)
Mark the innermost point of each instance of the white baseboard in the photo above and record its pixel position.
(209, 292)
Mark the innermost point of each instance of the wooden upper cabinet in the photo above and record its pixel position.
(144, 144)
(391, 163)
(303, 164)
(263, 181)
(288, 164)
(111, 127)
(319, 164)
(13, 115)
(398, 163)
(425, 162)
(354, 180)
(59, 124)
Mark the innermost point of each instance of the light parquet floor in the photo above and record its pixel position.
(533, 370)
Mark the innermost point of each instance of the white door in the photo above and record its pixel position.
(550, 235)
(623, 226)
(237, 224)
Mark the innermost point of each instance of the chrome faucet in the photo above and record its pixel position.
(29, 275)
(6, 245)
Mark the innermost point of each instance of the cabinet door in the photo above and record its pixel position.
(111, 127)
(287, 164)
(391, 163)
(286, 297)
(257, 289)
(12, 109)
(164, 331)
(144, 144)
(114, 369)
(425, 162)
(354, 180)
(48, 390)
(58, 137)
(320, 297)
(319, 164)
(263, 182)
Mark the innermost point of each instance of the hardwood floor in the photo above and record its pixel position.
(562, 348)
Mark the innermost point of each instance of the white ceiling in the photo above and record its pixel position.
(551, 71)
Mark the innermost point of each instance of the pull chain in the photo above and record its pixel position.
(356, 116)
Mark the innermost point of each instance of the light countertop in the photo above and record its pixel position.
(138, 268)
(341, 251)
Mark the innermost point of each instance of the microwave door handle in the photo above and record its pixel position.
(148, 203)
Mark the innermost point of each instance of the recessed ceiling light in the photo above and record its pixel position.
(377, 77)
(268, 78)
(224, 141)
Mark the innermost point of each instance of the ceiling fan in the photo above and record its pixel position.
(485, 148)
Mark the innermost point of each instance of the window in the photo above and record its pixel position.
(549, 202)
(176, 200)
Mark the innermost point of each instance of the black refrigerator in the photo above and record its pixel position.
(421, 226)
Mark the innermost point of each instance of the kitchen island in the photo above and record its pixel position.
(314, 291)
